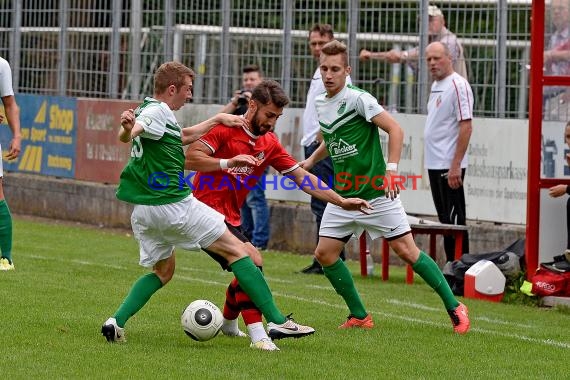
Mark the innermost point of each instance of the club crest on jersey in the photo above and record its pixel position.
(341, 107)
(260, 156)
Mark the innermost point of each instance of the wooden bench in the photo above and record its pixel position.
(419, 227)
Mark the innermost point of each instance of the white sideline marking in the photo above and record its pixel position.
(321, 287)
(193, 279)
(546, 342)
(412, 305)
(80, 262)
(479, 318)
(494, 320)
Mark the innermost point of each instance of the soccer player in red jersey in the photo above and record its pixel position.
(223, 183)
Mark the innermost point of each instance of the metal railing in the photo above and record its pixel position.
(110, 48)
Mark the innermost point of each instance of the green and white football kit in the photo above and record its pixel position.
(359, 166)
(166, 214)
(353, 143)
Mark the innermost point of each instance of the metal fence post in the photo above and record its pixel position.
(409, 87)
(393, 101)
(136, 27)
(423, 89)
(169, 10)
(200, 49)
(225, 51)
(287, 46)
(115, 47)
(353, 20)
(523, 85)
(62, 48)
(15, 44)
(501, 53)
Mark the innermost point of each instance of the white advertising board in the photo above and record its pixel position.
(495, 183)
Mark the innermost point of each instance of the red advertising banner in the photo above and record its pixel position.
(100, 155)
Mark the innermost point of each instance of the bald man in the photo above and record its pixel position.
(446, 138)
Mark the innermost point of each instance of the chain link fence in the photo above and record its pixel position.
(110, 48)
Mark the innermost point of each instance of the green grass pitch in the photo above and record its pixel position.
(70, 278)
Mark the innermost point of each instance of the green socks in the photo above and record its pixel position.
(5, 230)
(341, 280)
(252, 282)
(429, 271)
(139, 295)
(250, 279)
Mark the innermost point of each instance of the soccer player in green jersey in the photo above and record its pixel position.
(13, 117)
(349, 119)
(166, 215)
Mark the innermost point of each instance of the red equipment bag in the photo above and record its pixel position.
(547, 282)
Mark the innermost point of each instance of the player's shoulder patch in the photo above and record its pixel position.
(357, 89)
(147, 121)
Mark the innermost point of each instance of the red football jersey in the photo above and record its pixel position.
(226, 190)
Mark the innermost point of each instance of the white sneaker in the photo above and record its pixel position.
(112, 331)
(264, 344)
(289, 329)
(6, 265)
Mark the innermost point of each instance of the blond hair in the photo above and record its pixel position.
(336, 47)
(171, 73)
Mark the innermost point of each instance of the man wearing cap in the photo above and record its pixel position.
(437, 32)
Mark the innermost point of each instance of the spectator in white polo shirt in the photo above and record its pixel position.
(446, 138)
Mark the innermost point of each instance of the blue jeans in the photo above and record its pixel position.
(255, 217)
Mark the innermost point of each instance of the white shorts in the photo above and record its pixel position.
(388, 219)
(188, 224)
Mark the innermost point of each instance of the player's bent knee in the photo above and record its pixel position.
(254, 254)
(406, 249)
(325, 257)
(164, 272)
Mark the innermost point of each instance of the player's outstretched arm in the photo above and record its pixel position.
(13, 115)
(193, 133)
(388, 124)
(311, 185)
(320, 153)
(366, 55)
(199, 158)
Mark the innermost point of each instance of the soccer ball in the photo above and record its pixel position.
(202, 320)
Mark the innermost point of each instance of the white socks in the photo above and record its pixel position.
(230, 328)
(257, 332)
